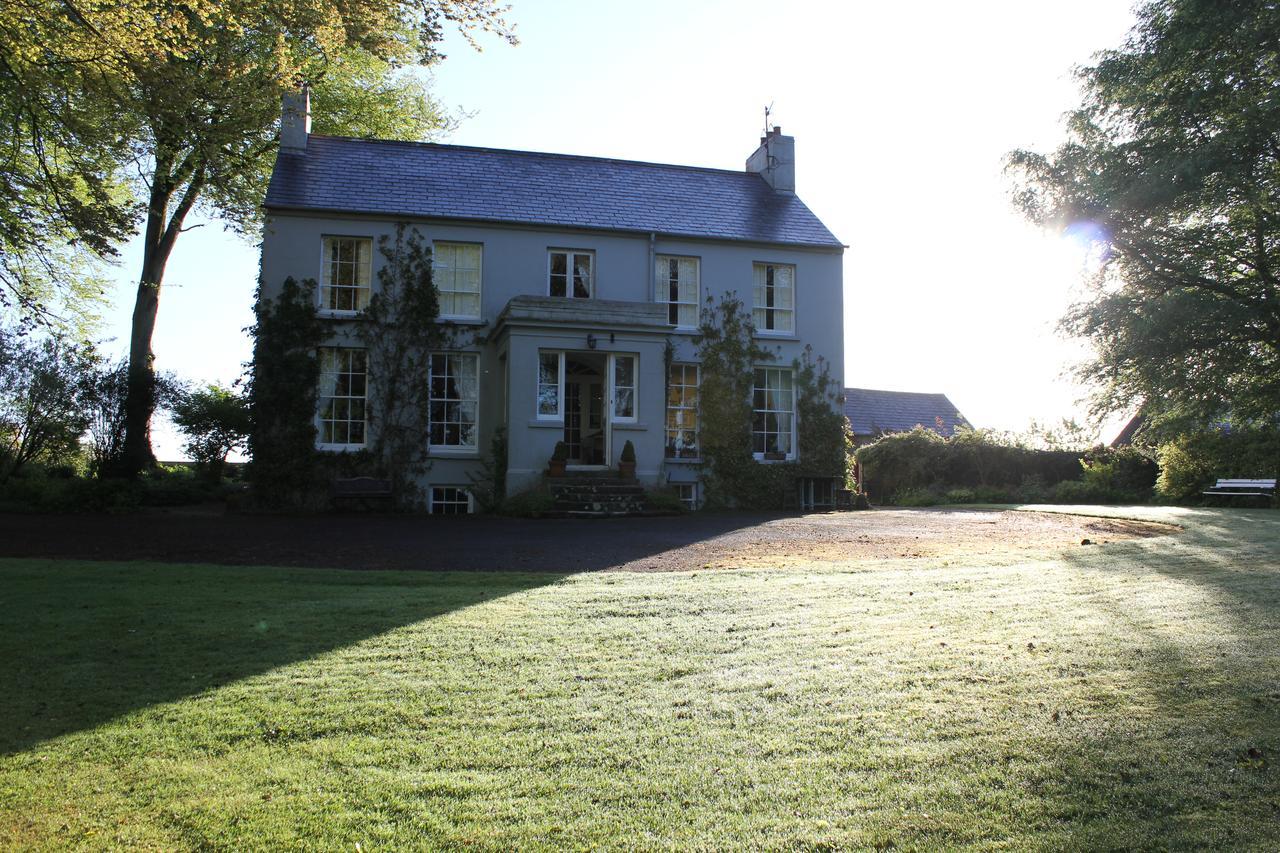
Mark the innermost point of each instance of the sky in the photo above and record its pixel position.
(902, 115)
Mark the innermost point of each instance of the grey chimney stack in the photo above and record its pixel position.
(775, 161)
(295, 121)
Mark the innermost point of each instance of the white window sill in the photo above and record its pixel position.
(549, 423)
(330, 314)
(778, 336)
(460, 321)
(339, 448)
(629, 425)
(759, 458)
(684, 460)
(441, 451)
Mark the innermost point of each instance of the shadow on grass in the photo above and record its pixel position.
(1203, 695)
(408, 543)
(83, 643)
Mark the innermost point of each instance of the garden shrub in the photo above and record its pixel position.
(729, 354)
(1191, 462)
(665, 500)
(981, 466)
(916, 497)
(971, 459)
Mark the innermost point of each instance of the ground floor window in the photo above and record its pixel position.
(817, 493)
(682, 411)
(688, 494)
(342, 397)
(455, 395)
(550, 378)
(450, 500)
(773, 417)
(624, 387)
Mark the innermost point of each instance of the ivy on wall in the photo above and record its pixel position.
(398, 330)
(283, 383)
(729, 354)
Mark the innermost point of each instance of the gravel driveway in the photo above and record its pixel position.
(700, 540)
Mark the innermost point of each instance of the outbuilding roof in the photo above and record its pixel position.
(871, 412)
(416, 179)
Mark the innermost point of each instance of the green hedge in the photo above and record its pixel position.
(920, 468)
(1190, 463)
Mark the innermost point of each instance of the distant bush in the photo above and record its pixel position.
(972, 459)
(917, 497)
(976, 466)
(1123, 474)
(1190, 463)
(50, 489)
(665, 500)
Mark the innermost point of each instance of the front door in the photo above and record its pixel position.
(586, 417)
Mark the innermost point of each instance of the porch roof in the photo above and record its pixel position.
(597, 314)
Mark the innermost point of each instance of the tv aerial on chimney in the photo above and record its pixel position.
(767, 111)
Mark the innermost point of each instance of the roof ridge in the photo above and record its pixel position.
(888, 391)
(527, 153)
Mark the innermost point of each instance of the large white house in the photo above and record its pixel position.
(576, 272)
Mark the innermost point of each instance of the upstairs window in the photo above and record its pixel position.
(344, 278)
(571, 273)
(455, 271)
(774, 294)
(676, 284)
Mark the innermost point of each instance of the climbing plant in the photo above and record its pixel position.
(399, 331)
(729, 353)
(282, 388)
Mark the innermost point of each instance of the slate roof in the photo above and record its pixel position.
(871, 412)
(342, 175)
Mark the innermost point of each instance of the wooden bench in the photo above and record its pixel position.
(361, 490)
(1257, 488)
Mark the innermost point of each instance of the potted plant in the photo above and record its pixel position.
(627, 461)
(559, 458)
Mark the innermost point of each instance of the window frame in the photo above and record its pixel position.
(446, 449)
(325, 272)
(612, 367)
(537, 385)
(320, 420)
(552, 251)
(791, 312)
(431, 499)
(692, 501)
(660, 284)
(668, 449)
(479, 292)
(763, 456)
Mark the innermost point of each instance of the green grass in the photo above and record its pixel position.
(1124, 696)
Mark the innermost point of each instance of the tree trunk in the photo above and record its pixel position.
(158, 240)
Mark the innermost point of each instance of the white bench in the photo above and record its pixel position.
(1243, 488)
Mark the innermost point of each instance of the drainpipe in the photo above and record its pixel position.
(653, 259)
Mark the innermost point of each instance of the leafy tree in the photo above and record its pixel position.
(215, 420)
(43, 406)
(1173, 168)
(107, 386)
(188, 97)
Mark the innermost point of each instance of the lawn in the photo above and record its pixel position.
(1118, 696)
